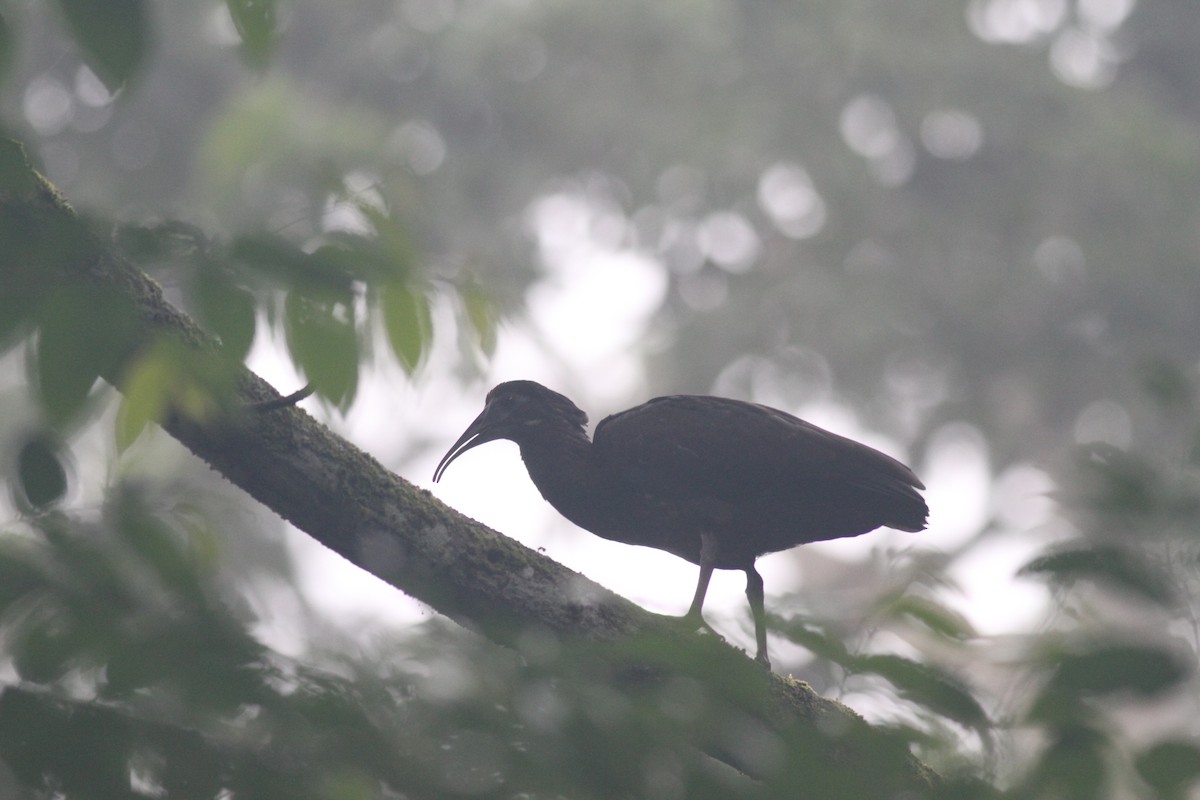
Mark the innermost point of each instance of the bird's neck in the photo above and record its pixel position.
(559, 462)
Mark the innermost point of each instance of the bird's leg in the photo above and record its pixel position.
(754, 593)
(708, 558)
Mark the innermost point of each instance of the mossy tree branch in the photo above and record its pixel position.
(347, 501)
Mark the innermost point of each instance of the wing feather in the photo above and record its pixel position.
(685, 447)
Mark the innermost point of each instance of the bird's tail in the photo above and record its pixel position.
(912, 514)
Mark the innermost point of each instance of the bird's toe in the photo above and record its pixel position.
(697, 623)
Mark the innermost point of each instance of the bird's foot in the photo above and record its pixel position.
(697, 623)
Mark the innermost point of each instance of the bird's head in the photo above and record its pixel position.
(515, 410)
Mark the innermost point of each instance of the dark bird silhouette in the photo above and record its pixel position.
(715, 481)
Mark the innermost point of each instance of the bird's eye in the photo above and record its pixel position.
(508, 402)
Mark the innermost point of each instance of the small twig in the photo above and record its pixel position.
(283, 402)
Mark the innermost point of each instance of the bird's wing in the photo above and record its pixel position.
(686, 445)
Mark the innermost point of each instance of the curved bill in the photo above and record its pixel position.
(475, 434)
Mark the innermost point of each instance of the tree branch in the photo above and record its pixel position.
(346, 500)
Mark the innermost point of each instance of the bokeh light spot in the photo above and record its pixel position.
(951, 134)
(786, 192)
(48, 105)
(729, 241)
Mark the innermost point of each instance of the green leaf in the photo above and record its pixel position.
(1118, 567)
(21, 571)
(482, 317)
(113, 34)
(932, 615)
(169, 377)
(393, 238)
(1110, 668)
(356, 256)
(819, 642)
(82, 335)
(255, 24)
(135, 665)
(409, 325)
(929, 686)
(225, 308)
(1073, 767)
(65, 370)
(94, 753)
(145, 399)
(45, 646)
(276, 258)
(163, 548)
(323, 342)
(42, 474)
(37, 248)
(31, 733)
(1171, 768)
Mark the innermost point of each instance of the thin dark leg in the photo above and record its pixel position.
(754, 593)
(708, 557)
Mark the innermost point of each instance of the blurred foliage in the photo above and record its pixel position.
(113, 35)
(41, 474)
(6, 44)
(134, 679)
(255, 21)
(981, 212)
(1120, 567)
